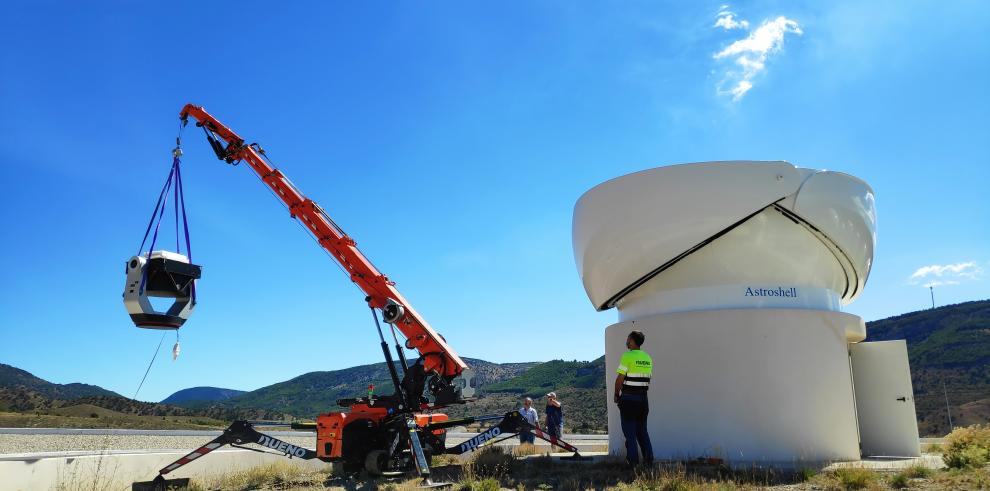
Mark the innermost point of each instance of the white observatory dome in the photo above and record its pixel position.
(724, 235)
(735, 272)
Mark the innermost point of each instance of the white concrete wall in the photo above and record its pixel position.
(768, 386)
(116, 471)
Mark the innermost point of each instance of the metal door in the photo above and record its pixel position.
(888, 425)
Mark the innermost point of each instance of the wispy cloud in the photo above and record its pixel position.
(934, 283)
(749, 55)
(727, 20)
(945, 274)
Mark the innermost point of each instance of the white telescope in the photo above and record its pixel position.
(736, 273)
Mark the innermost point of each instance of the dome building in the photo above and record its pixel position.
(737, 273)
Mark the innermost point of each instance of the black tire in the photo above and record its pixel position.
(376, 462)
(360, 438)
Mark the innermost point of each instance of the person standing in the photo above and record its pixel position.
(528, 413)
(555, 416)
(632, 385)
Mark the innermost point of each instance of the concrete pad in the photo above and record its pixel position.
(931, 461)
(117, 470)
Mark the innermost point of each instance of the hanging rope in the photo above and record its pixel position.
(152, 362)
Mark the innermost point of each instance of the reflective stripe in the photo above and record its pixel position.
(622, 369)
(636, 383)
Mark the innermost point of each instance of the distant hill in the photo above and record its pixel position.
(316, 392)
(201, 394)
(12, 377)
(22, 392)
(949, 345)
(554, 375)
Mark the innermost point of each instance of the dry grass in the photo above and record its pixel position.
(279, 475)
(99, 477)
(962, 479)
(847, 478)
(526, 449)
(494, 468)
(489, 462)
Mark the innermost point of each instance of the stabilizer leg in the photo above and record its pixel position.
(419, 457)
(239, 432)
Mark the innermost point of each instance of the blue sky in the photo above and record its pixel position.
(451, 140)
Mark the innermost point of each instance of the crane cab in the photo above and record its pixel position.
(161, 274)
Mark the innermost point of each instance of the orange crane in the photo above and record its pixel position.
(389, 434)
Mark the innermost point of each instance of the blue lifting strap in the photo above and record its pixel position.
(174, 179)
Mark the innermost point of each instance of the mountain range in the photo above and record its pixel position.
(11, 377)
(948, 347)
(201, 394)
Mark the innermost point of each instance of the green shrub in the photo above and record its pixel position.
(490, 461)
(663, 480)
(899, 481)
(967, 447)
(489, 484)
(917, 471)
(804, 474)
(847, 478)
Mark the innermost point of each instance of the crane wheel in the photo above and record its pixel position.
(376, 462)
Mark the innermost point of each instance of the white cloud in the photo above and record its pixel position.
(934, 283)
(751, 53)
(969, 270)
(740, 89)
(727, 20)
(945, 274)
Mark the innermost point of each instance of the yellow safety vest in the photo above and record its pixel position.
(637, 367)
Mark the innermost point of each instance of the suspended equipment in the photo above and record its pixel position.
(161, 273)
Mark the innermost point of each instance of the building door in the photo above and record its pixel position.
(888, 425)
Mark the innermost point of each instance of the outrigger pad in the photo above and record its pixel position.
(576, 456)
(161, 484)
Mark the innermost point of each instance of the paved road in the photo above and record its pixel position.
(44, 440)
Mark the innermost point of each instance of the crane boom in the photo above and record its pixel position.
(437, 356)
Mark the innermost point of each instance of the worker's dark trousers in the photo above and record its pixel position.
(526, 436)
(633, 410)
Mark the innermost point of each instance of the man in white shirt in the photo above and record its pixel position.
(528, 413)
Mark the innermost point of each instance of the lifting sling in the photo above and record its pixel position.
(161, 273)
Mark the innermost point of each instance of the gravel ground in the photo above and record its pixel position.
(61, 443)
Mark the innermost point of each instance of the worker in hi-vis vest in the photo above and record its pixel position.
(631, 387)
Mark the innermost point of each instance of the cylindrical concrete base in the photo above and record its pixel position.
(751, 386)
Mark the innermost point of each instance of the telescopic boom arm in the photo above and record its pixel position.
(437, 356)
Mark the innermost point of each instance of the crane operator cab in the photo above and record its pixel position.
(160, 274)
